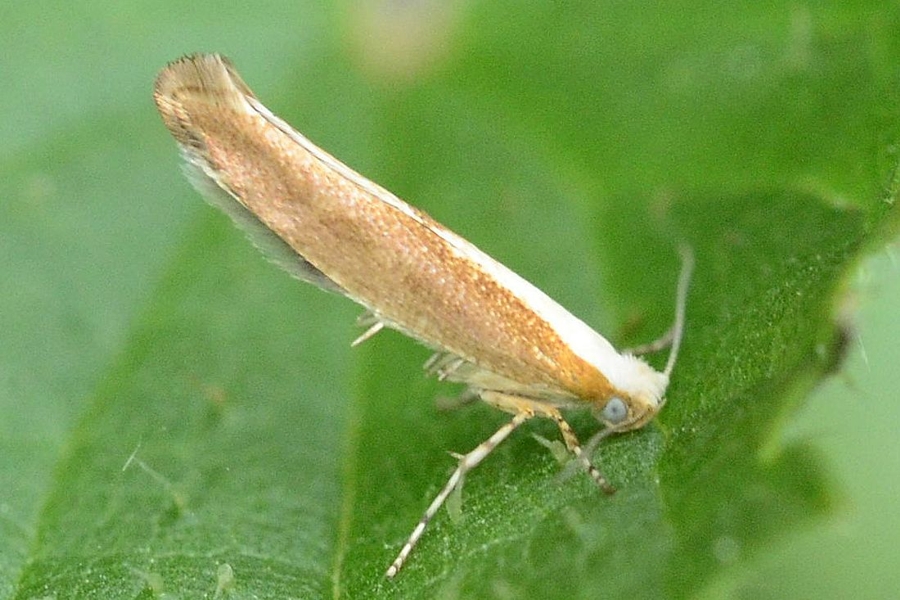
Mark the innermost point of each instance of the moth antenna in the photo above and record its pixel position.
(684, 282)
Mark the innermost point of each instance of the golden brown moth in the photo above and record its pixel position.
(511, 344)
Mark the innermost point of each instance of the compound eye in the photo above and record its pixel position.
(615, 411)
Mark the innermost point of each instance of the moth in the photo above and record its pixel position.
(508, 342)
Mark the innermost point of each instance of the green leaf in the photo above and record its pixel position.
(174, 407)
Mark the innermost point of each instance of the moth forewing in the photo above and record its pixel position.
(509, 342)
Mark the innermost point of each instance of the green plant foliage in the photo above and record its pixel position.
(182, 420)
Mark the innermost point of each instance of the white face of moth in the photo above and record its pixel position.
(642, 390)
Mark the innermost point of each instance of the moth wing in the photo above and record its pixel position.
(447, 366)
(273, 247)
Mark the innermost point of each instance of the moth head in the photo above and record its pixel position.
(637, 398)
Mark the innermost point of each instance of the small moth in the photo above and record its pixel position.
(512, 346)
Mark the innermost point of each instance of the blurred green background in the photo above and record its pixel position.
(510, 122)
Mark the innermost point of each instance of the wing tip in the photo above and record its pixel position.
(192, 80)
(200, 72)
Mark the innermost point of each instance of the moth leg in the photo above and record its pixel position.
(367, 334)
(516, 404)
(467, 462)
(656, 345)
(443, 365)
(432, 361)
(374, 325)
(672, 338)
(580, 455)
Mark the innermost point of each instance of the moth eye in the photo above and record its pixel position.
(615, 411)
